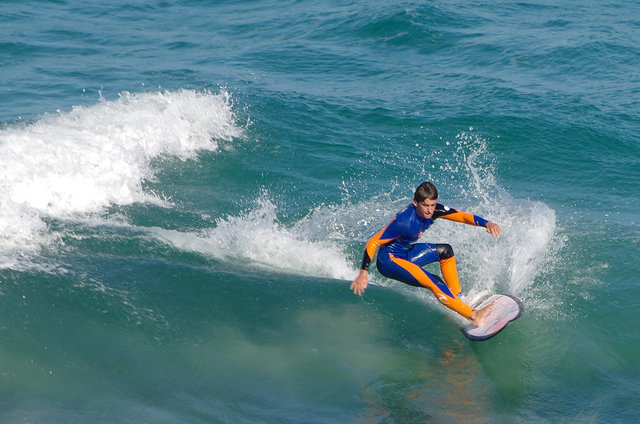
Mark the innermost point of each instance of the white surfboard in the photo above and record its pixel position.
(506, 309)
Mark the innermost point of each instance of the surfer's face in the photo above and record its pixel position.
(426, 208)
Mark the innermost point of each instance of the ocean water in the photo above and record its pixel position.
(186, 188)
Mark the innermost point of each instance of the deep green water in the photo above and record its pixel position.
(186, 188)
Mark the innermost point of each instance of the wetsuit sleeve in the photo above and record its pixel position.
(388, 233)
(458, 216)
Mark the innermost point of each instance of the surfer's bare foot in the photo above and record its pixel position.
(478, 316)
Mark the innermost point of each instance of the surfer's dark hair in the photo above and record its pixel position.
(426, 190)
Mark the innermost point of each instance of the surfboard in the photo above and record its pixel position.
(506, 309)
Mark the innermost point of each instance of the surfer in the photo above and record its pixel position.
(402, 259)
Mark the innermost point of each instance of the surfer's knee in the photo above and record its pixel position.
(445, 251)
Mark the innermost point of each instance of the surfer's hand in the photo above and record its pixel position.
(361, 282)
(493, 229)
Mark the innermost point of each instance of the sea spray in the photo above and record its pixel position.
(256, 238)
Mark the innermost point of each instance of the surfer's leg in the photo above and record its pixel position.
(448, 267)
(413, 274)
(450, 273)
(425, 253)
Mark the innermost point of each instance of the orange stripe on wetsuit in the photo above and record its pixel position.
(373, 244)
(458, 216)
(450, 300)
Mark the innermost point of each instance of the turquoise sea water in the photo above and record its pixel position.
(186, 188)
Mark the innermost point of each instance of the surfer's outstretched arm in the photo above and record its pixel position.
(467, 218)
(388, 233)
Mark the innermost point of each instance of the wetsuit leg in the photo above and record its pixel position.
(425, 253)
(422, 254)
(412, 273)
(448, 267)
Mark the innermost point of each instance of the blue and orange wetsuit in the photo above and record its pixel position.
(401, 258)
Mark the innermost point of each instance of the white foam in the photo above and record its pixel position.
(256, 238)
(82, 161)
